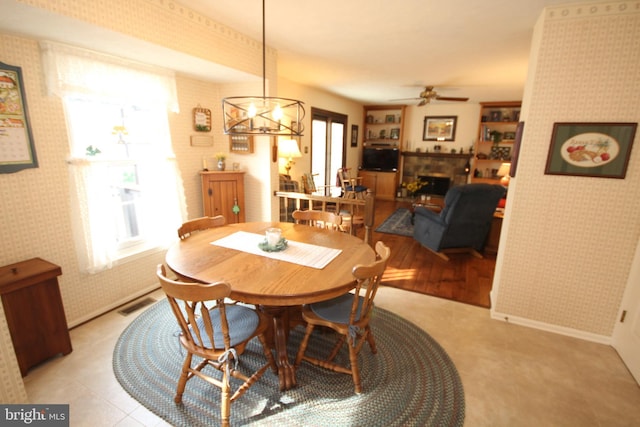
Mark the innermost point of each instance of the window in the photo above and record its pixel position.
(126, 146)
(126, 189)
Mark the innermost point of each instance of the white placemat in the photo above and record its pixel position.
(296, 252)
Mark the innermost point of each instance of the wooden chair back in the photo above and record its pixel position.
(368, 278)
(199, 224)
(202, 313)
(351, 186)
(320, 219)
(348, 315)
(190, 301)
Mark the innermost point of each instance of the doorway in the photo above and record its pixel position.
(328, 147)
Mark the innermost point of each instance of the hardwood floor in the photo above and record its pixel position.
(412, 267)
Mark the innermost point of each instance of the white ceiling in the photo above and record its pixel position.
(374, 51)
(371, 51)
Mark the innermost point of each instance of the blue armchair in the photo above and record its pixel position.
(463, 223)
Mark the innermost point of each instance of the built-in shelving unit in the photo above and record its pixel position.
(383, 129)
(496, 135)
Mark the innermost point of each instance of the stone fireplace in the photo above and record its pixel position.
(439, 170)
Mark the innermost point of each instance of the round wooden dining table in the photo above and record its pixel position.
(276, 287)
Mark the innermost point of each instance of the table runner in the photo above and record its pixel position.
(296, 252)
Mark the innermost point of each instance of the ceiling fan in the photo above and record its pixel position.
(428, 94)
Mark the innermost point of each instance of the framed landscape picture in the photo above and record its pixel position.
(439, 128)
(590, 149)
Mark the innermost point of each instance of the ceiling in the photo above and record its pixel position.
(374, 51)
(371, 51)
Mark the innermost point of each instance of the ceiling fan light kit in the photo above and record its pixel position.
(429, 93)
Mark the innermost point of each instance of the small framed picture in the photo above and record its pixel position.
(201, 119)
(354, 135)
(394, 133)
(439, 128)
(390, 118)
(496, 116)
(590, 149)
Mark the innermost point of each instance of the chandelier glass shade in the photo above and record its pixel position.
(262, 115)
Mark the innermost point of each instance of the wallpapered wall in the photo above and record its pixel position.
(34, 214)
(568, 242)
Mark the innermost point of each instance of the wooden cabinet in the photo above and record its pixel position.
(33, 307)
(496, 135)
(383, 183)
(223, 194)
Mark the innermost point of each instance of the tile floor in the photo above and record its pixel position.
(512, 375)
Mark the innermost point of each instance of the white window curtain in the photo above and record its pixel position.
(73, 72)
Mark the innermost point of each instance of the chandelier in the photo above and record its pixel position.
(262, 115)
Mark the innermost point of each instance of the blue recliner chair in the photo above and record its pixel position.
(463, 223)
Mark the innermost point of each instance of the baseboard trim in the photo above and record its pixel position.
(561, 330)
(114, 305)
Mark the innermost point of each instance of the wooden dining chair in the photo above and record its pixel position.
(320, 219)
(349, 316)
(217, 332)
(200, 224)
(352, 187)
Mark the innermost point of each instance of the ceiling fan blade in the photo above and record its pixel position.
(424, 101)
(449, 98)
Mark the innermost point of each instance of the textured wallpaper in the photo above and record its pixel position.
(570, 240)
(34, 213)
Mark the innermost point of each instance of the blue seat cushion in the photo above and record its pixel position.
(242, 321)
(357, 189)
(337, 309)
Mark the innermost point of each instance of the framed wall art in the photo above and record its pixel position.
(201, 119)
(354, 135)
(439, 128)
(590, 149)
(516, 149)
(17, 151)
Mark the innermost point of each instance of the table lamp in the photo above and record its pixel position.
(288, 149)
(504, 170)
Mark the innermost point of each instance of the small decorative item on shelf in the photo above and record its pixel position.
(496, 136)
(220, 157)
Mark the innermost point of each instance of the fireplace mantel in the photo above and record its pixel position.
(434, 154)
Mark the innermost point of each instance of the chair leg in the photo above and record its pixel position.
(303, 344)
(268, 354)
(371, 340)
(355, 372)
(225, 397)
(184, 376)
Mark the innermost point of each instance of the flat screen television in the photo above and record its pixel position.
(380, 159)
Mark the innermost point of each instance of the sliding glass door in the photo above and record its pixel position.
(328, 147)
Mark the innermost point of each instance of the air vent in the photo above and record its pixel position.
(136, 306)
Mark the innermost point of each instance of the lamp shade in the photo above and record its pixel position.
(288, 149)
(504, 170)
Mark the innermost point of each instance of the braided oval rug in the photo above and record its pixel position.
(411, 381)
